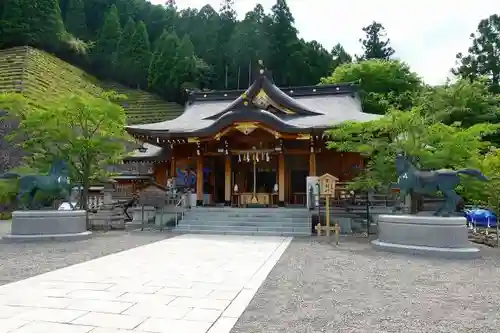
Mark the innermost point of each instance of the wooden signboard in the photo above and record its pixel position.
(327, 184)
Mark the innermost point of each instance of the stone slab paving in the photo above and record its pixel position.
(319, 287)
(22, 260)
(190, 283)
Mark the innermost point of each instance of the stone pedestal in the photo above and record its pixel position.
(36, 225)
(445, 237)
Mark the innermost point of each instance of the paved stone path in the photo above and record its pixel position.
(190, 284)
(23, 260)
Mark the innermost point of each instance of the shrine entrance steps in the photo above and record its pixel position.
(247, 221)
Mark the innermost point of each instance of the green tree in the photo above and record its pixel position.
(104, 52)
(86, 130)
(248, 44)
(376, 45)
(75, 19)
(434, 144)
(185, 63)
(160, 77)
(382, 83)
(464, 102)
(483, 58)
(123, 61)
(282, 37)
(340, 56)
(140, 55)
(32, 22)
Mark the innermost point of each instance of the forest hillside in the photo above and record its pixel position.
(162, 49)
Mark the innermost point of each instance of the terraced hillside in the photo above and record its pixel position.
(41, 76)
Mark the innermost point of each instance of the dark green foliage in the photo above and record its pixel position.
(340, 56)
(123, 61)
(375, 44)
(75, 19)
(283, 43)
(105, 49)
(141, 55)
(32, 22)
(185, 64)
(163, 63)
(483, 57)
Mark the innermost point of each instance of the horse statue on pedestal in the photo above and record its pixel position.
(56, 182)
(412, 180)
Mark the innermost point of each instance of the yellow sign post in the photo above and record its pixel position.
(327, 185)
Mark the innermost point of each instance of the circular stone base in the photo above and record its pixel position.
(444, 237)
(54, 237)
(39, 225)
(437, 252)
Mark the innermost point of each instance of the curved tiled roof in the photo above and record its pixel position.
(291, 110)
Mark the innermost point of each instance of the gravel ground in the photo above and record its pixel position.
(22, 260)
(319, 287)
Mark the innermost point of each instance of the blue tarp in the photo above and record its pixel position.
(481, 217)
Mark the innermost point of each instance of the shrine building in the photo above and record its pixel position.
(252, 147)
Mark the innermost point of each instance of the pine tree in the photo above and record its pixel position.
(75, 19)
(123, 62)
(185, 62)
(33, 22)
(282, 36)
(375, 44)
(140, 55)
(340, 56)
(483, 55)
(162, 66)
(105, 48)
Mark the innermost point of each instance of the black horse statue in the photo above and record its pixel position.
(56, 182)
(412, 180)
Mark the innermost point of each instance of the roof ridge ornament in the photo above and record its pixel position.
(262, 68)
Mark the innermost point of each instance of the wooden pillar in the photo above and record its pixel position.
(312, 164)
(172, 167)
(281, 180)
(227, 181)
(199, 181)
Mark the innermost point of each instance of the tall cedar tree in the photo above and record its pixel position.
(340, 56)
(75, 19)
(185, 63)
(375, 44)
(282, 36)
(123, 61)
(227, 23)
(104, 52)
(483, 58)
(162, 67)
(248, 44)
(140, 54)
(32, 22)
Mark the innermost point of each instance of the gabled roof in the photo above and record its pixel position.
(290, 110)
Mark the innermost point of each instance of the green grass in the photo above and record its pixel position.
(42, 77)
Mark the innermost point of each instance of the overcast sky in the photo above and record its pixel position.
(425, 33)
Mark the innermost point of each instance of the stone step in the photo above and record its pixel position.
(244, 232)
(244, 223)
(190, 217)
(244, 228)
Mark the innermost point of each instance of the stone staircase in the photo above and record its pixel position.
(246, 221)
